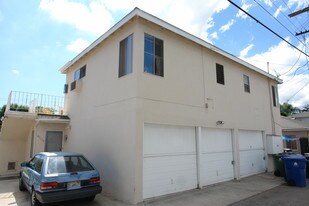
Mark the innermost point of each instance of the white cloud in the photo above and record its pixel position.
(245, 51)
(245, 7)
(77, 45)
(268, 3)
(97, 17)
(15, 71)
(280, 9)
(214, 35)
(299, 3)
(93, 18)
(281, 58)
(227, 26)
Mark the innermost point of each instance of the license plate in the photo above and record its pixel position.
(73, 185)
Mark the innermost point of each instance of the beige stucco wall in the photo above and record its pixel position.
(40, 135)
(11, 151)
(108, 114)
(103, 125)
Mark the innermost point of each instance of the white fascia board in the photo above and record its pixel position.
(170, 27)
(56, 121)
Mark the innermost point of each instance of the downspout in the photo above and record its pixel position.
(270, 104)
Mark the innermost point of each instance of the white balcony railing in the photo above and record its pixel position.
(35, 103)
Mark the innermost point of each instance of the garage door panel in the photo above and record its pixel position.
(169, 174)
(218, 140)
(217, 167)
(161, 138)
(250, 140)
(169, 163)
(217, 156)
(252, 162)
(251, 153)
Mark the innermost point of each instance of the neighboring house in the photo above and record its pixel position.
(159, 111)
(295, 131)
(36, 125)
(303, 116)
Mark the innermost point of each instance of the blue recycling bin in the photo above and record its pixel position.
(295, 169)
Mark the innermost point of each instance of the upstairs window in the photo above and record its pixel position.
(246, 83)
(220, 74)
(274, 90)
(80, 73)
(125, 56)
(66, 88)
(153, 55)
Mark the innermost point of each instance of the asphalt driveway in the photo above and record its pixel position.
(263, 189)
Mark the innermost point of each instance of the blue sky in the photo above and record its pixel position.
(39, 37)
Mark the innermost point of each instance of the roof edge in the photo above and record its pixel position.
(138, 12)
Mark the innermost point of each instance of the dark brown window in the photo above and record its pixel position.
(246, 84)
(66, 88)
(125, 56)
(73, 85)
(153, 55)
(274, 90)
(220, 74)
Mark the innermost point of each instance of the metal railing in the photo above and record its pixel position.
(35, 103)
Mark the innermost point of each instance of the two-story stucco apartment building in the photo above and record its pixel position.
(159, 111)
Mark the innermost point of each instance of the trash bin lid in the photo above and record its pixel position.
(297, 157)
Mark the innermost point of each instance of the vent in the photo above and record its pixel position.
(12, 166)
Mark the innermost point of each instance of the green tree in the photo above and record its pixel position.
(2, 110)
(305, 108)
(287, 109)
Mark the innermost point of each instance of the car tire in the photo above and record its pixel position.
(91, 198)
(21, 185)
(34, 200)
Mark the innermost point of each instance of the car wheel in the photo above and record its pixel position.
(34, 201)
(21, 185)
(91, 198)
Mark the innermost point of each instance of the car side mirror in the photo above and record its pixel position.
(25, 164)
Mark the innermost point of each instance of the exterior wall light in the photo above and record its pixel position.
(220, 123)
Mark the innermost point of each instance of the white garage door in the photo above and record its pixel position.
(251, 153)
(169, 160)
(216, 156)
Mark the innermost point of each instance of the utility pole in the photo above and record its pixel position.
(298, 13)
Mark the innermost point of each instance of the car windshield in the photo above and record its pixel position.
(67, 164)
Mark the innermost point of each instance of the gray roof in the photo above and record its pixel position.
(289, 124)
(150, 18)
(301, 115)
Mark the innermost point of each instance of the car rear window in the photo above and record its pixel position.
(67, 164)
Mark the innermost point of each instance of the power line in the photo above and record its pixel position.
(279, 22)
(297, 92)
(296, 71)
(267, 27)
(288, 18)
(292, 66)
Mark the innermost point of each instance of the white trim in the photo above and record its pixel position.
(170, 27)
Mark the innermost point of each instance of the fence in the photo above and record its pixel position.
(35, 103)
